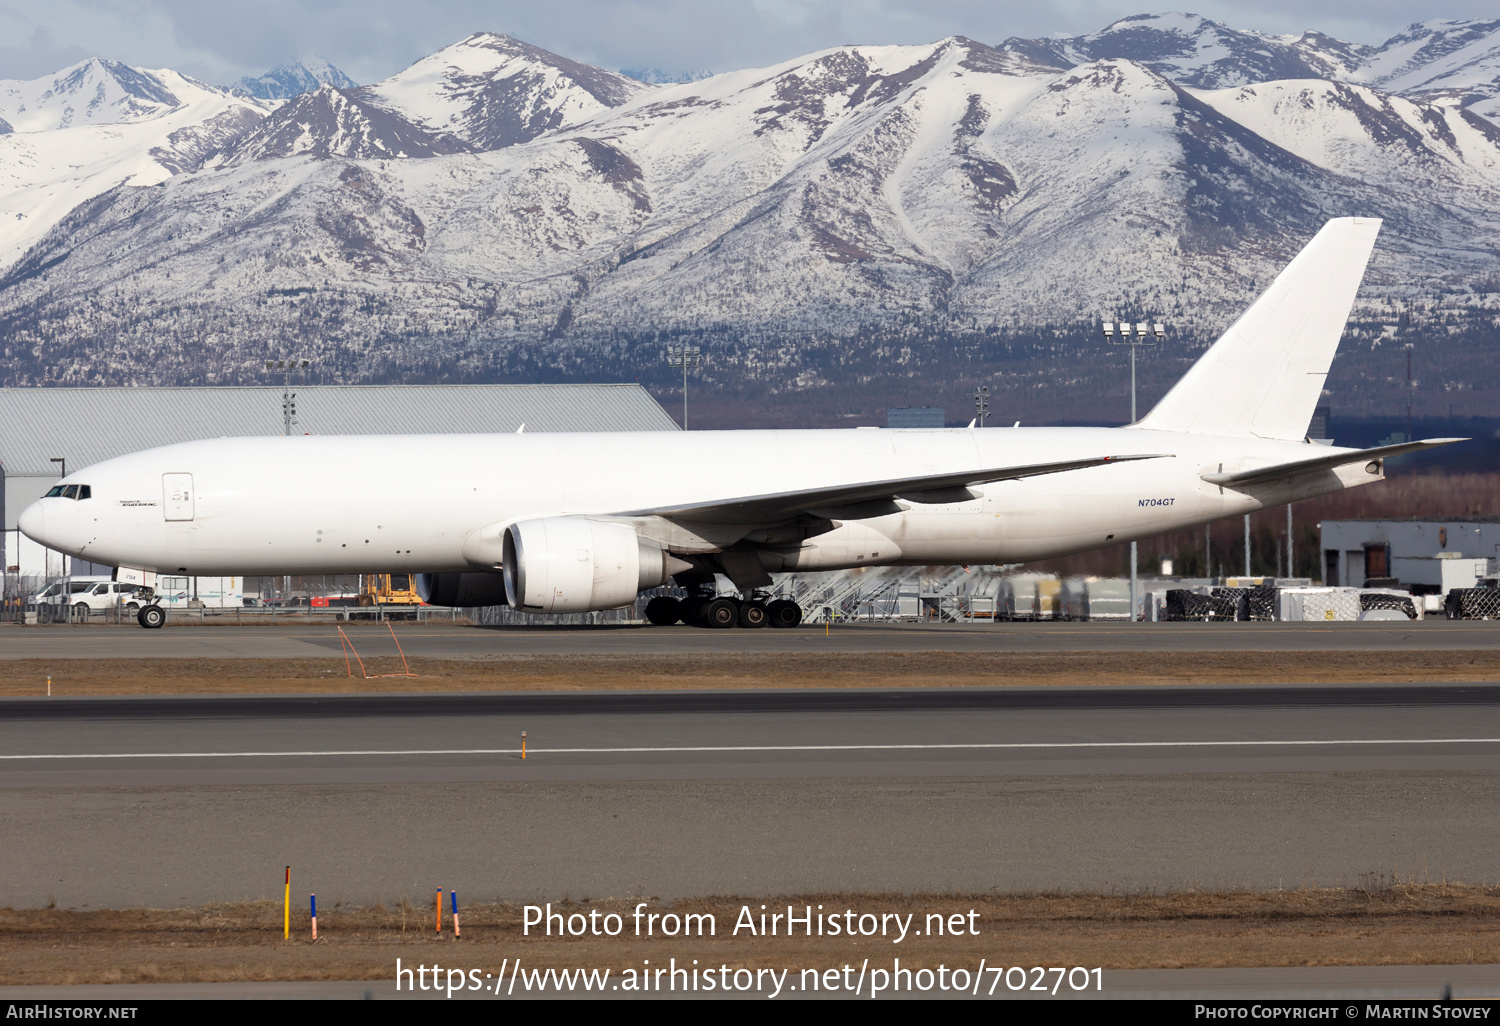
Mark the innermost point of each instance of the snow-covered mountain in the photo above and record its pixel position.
(340, 123)
(1453, 61)
(95, 92)
(1457, 61)
(96, 126)
(496, 210)
(295, 77)
(493, 91)
(1195, 51)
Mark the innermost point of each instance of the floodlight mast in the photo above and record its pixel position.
(684, 357)
(982, 403)
(288, 397)
(1134, 340)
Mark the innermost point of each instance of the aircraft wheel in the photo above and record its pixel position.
(782, 613)
(753, 614)
(722, 612)
(151, 616)
(663, 611)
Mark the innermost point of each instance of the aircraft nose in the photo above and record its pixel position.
(33, 523)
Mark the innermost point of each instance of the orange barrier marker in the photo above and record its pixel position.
(523, 744)
(348, 647)
(286, 909)
(454, 896)
(439, 926)
(49, 685)
(313, 900)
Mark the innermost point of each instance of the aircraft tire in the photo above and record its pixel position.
(753, 614)
(782, 613)
(663, 611)
(151, 616)
(721, 613)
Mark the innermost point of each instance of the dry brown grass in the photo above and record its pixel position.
(626, 672)
(1385, 922)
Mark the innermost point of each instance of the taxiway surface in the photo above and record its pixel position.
(436, 639)
(182, 801)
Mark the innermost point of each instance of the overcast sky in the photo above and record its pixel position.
(221, 40)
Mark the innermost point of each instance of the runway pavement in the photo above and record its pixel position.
(183, 801)
(440, 640)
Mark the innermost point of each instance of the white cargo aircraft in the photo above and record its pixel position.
(554, 523)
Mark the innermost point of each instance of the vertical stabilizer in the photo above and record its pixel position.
(1264, 376)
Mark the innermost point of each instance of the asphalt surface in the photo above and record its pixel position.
(1387, 982)
(262, 639)
(181, 801)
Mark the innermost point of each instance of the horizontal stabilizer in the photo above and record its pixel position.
(1341, 458)
(756, 509)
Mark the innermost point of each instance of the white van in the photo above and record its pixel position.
(88, 594)
(200, 592)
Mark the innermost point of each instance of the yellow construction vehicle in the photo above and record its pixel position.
(389, 590)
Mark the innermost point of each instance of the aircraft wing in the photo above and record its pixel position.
(876, 497)
(1296, 468)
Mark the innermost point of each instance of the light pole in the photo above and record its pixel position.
(1408, 348)
(981, 403)
(62, 560)
(684, 357)
(1134, 340)
(288, 397)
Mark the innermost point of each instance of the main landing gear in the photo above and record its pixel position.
(723, 612)
(151, 616)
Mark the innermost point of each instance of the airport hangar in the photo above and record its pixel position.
(87, 425)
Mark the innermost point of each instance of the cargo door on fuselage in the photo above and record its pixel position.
(177, 496)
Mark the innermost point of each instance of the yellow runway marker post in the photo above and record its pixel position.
(523, 744)
(286, 908)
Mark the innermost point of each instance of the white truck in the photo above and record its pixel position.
(200, 592)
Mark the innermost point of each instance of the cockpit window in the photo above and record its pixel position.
(85, 492)
(70, 492)
(55, 492)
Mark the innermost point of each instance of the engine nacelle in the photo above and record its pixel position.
(479, 589)
(573, 564)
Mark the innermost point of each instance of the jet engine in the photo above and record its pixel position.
(479, 589)
(574, 564)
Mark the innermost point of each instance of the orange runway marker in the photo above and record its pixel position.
(345, 640)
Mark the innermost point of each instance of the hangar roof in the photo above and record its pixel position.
(87, 425)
